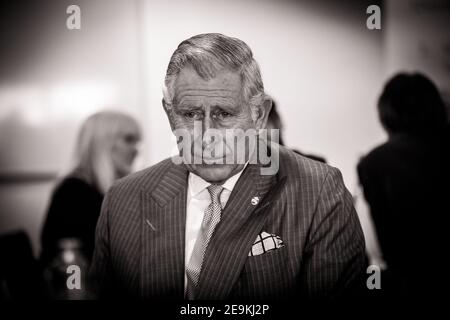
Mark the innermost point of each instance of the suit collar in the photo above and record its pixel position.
(172, 183)
(162, 237)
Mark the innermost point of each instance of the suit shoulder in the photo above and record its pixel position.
(145, 178)
(298, 166)
(310, 183)
(122, 200)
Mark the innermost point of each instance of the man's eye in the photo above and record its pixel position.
(191, 115)
(224, 114)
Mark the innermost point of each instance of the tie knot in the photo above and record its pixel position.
(214, 191)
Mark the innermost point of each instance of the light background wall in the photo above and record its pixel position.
(321, 64)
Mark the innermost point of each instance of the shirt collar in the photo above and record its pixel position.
(198, 184)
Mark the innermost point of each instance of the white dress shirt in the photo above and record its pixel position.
(198, 199)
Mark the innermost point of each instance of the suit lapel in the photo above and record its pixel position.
(163, 241)
(233, 237)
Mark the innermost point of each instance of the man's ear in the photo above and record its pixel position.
(168, 109)
(263, 111)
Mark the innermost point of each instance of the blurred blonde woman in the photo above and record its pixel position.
(105, 151)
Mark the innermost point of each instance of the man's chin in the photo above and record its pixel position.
(215, 173)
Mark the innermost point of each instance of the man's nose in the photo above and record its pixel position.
(208, 124)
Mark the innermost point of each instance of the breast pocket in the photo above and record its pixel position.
(265, 276)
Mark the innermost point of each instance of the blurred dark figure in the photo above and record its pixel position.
(20, 274)
(274, 122)
(105, 150)
(406, 184)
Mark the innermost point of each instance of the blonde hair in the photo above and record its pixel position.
(94, 147)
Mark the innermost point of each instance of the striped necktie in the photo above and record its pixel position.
(210, 220)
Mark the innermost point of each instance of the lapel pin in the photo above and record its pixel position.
(255, 201)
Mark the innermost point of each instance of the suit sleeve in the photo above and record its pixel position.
(100, 273)
(335, 252)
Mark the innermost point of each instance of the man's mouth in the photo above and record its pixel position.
(208, 157)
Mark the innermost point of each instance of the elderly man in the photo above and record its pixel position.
(216, 229)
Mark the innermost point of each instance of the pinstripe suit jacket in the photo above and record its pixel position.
(140, 235)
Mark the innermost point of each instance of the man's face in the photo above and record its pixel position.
(217, 104)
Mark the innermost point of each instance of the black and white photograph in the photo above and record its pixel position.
(225, 159)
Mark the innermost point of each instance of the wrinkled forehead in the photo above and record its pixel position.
(189, 85)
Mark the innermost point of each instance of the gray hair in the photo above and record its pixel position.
(210, 52)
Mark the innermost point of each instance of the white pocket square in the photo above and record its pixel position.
(265, 242)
